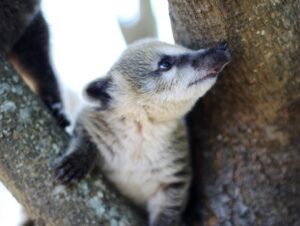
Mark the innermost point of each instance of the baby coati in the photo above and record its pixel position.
(24, 38)
(136, 124)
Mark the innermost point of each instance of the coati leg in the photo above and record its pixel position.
(167, 205)
(30, 57)
(80, 159)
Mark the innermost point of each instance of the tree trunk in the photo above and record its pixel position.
(245, 133)
(30, 143)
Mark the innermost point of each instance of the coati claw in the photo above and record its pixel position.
(70, 170)
(76, 165)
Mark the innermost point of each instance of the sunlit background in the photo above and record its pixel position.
(86, 40)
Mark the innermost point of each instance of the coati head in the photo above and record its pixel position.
(160, 79)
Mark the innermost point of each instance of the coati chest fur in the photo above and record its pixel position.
(134, 122)
(139, 157)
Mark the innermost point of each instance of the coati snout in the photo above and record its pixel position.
(212, 59)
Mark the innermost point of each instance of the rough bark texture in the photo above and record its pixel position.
(246, 131)
(30, 143)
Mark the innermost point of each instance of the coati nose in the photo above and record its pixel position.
(223, 46)
(213, 58)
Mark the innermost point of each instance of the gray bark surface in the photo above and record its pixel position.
(30, 144)
(246, 132)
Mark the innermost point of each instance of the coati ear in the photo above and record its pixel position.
(98, 91)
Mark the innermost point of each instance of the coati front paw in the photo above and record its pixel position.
(71, 169)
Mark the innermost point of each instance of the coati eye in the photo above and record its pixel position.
(165, 65)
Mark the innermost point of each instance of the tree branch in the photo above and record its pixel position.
(30, 143)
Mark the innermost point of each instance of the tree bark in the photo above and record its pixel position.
(245, 133)
(30, 143)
